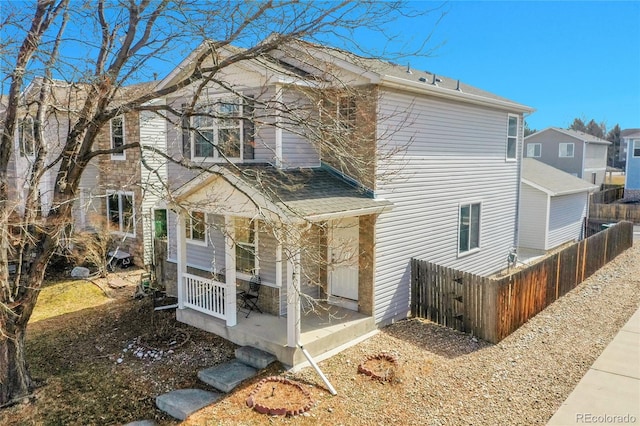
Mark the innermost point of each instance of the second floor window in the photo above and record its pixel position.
(120, 212)
(216, 131)
(566, 150)
(26, 137)
(512, 137)
(534, 150)
(117, 136)
(636, 147)
(346, 112)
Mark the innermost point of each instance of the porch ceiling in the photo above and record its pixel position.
(313, 194)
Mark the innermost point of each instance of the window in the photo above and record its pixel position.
(26, 137)
(534, 150)
(566, 150)
(196, 227)
(512, 137)
(160, 223)
(636, 147)
(120, 212)
(469, 228)
(245, 245)
(217, 131)
(346, 112)
(117, 136)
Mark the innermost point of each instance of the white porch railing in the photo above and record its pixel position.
(204, 295)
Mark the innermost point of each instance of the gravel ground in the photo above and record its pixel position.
(449, 378)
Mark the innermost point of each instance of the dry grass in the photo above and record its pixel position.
(614, 179)
(66, 297)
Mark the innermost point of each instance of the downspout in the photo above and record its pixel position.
(315, 367)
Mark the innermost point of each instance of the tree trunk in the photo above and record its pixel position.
(15, 381)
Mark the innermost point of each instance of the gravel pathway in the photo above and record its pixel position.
(449, 378)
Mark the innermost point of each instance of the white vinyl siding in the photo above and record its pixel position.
(566, 216)
(533, 215)
(208, 257)
(455, 152)
(297, 151)
(152, 133)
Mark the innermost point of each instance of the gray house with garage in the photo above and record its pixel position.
(324, 173)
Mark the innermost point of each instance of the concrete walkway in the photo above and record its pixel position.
(610, 391)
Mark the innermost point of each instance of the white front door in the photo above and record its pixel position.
(343, 246)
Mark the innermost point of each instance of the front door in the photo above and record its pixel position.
(343, 246)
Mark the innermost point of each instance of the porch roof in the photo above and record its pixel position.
(309, 193)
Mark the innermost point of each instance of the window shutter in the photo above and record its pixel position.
(186, 134)
(248, 128)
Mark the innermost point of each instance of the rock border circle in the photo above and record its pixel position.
(362, 369)
(278, 411)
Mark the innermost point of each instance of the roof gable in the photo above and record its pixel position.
(579, 136)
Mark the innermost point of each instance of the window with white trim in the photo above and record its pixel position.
(26, 137)
(120, 212)
(346, 112)
(636, 147)
(512, 137)
(216, 130)
(246, 245)
(566, 150)
(195, 227)
(534, 150)
(469, 228)
(117, 137)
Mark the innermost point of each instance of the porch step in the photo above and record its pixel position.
(254, 357)
(227, 376)
(182, 403)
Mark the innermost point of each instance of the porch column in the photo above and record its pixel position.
(293, 296)
(181, 248)
(230, 302)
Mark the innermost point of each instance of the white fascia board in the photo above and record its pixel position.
(555, 194)
(423, 88)
(350, 213)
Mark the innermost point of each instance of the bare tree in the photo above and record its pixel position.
(98, 48)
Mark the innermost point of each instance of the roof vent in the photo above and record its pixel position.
(422, 80)
(435, 79)
(409, 69)
(458, 86)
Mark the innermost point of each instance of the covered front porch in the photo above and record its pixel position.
(313, 262)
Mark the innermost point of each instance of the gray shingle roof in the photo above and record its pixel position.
(551, 180)
(584, 137)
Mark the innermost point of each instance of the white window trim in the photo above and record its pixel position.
(256, 258)
(534, 145)
(506, 153)
(476, 249)
(213, 101)
(189, 220)
(123, 155)
(133, 212)
(636, 146)
(21, 150)
(573, 150)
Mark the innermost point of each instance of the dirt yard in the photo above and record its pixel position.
(90, 371)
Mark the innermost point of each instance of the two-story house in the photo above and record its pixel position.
(632, 175)
(576, 153)
(625, 136)
(324, 173)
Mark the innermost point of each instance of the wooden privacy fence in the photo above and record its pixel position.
(494, 308)
(607, 196)
(615, 212)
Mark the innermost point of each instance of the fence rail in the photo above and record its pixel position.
(205, 295)
(494, 308)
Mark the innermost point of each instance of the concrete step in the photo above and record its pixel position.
(254, 357)
(182, 403)
(227, 376)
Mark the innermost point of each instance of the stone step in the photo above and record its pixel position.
(182, 403)
(254, 357)
(227, 376)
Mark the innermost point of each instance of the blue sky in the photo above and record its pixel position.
(565, 59)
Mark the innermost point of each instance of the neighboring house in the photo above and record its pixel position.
(437, 178)
(625, 136)
(632, 176)
(109, 192)
(576, 153)
(554, 207)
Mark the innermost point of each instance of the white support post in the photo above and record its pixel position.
(278, 135)
(279, 281)
(181, 247)
(230, 303)
(293, 297)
